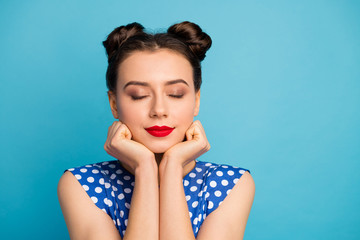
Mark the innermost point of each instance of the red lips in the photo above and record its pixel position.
(157, 131)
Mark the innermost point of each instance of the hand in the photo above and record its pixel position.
(129, 152)
(195, 145)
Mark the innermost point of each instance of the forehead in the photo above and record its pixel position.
(155, 67)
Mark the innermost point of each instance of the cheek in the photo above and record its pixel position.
(128, 114)
(184, 113)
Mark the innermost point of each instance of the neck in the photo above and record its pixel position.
(158, 157)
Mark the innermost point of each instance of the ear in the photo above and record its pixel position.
(112, 101)
(197, 103)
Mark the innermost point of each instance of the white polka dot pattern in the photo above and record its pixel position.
(110, 187)
(206, 187)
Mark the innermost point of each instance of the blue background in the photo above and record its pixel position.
(280, 96)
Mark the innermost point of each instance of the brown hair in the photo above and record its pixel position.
(186, 38)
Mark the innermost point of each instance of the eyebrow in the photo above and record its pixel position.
(171, 82)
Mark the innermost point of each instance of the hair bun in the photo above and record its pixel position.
(190, 33)
(119, 35)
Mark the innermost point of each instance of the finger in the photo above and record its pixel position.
(126, 132)
(114, 128)
(110, 127)
(201, 128)
(110, 130)
(198, 123)
(200, 136)
(123, 132)
(109, 136)
(194, 133)
(190, 133)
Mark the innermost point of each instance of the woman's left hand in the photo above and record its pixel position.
(184, 152)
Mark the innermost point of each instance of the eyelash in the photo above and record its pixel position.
(141, 97)
(176, 96)
(137, 98)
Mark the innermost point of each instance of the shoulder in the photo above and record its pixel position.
(83, 218)
(237, 205)
(221, 170)
(224, 179)
(220, 180)
(244, 189)
(101, 180)
(231, 193)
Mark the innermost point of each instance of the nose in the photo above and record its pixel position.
(158, 107)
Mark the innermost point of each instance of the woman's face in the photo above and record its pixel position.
(155, 88)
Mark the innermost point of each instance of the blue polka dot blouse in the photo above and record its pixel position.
(110, 187)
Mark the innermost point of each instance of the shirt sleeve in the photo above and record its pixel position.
(219, 183)
(95, 182)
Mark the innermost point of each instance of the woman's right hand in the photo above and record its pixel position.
(129, 152)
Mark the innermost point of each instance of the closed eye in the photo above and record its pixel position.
(137, 97)
(176, 96)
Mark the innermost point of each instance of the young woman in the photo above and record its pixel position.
(156, 188)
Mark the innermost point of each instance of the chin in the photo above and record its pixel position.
(158, 149)
(161, 145)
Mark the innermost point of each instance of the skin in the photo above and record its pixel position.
(158, 205)
(163, 102)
